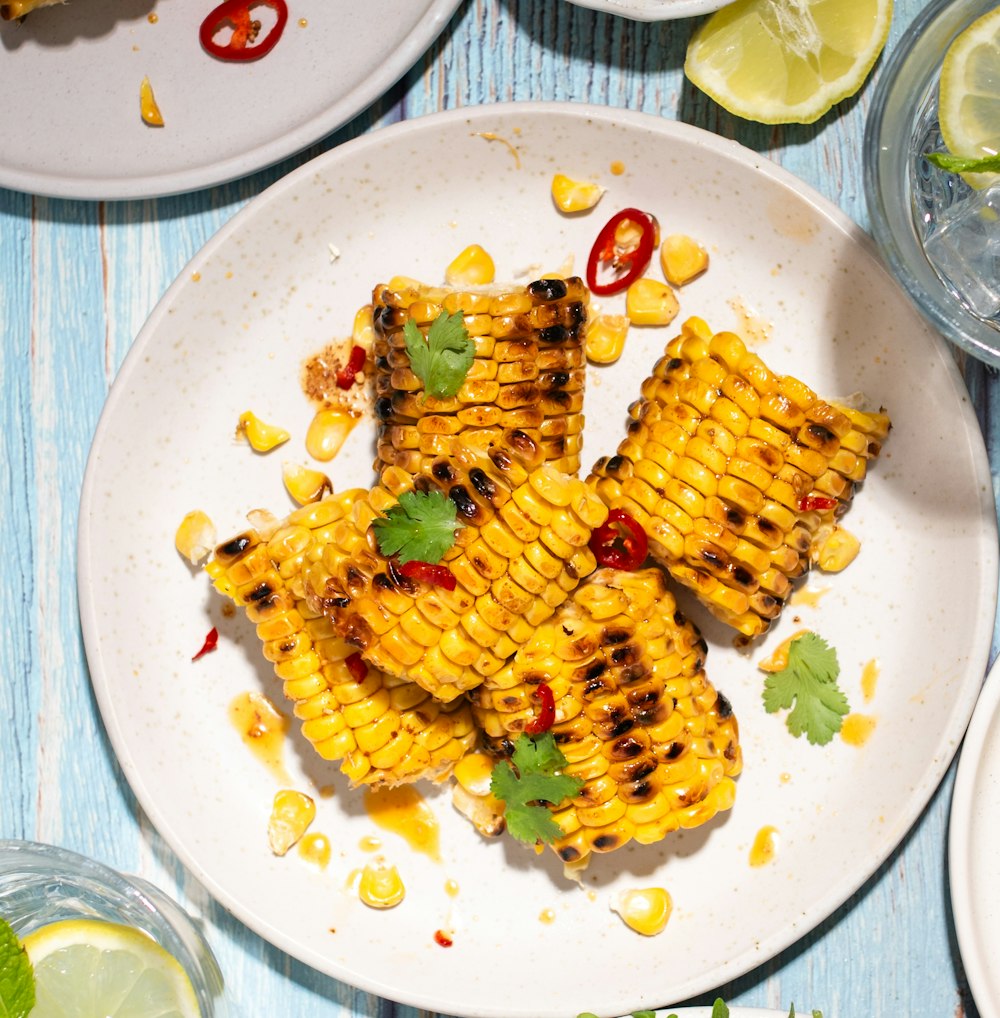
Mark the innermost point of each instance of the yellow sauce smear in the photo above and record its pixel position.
(764, 847)
(490, 136)
(403, 811)
(804, 597)
(369, 843)
(263, 728)
(451, 888)
(857, 729)
(315, 849)
(869, 679)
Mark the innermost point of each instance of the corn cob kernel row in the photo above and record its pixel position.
(636, 717)
(720, 463)
(522, 548)
(528, 373)
(382, 729)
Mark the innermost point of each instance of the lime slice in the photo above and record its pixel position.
(969, 96)
(85, 968)
(787, 61)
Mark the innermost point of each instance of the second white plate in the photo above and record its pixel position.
(654, 10)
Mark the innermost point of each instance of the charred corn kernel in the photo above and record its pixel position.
(575, 195)
(471, 267)
(837, 550)
(682, 259)
(291, 815)
(304, 484)
(606, 335)
(381, 886)
(327, 433)
(262, 436)
(646, 910)
(148, 107)
(635, 715)
(721, 460)
(650, 302)
(195, 537)
(527, 377)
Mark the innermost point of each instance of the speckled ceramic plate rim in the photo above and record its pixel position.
(948, 386)
(654, 10)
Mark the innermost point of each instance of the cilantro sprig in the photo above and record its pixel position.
(17, 978)
(719, 1010)
(964, 164)
(442, 359)
(807, 688)
(531, 777)
(419, 528)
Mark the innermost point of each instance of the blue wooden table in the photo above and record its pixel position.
(77, 280)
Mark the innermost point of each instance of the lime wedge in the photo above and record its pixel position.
(787, 61)
(969, 95)
(86, 968)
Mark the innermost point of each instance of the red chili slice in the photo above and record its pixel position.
(620, 542)
(546, 711)
(244, 43)
(625, 264)
(439, 576)
(347, 374)
(356, 666)
(442, 939)
(211, 643)
(808, 503)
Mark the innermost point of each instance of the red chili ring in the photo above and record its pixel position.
(620, 542)
(439, 576)
(634, 261)
(237, 14)
(349, 372)
(818, 503)
(546, 716)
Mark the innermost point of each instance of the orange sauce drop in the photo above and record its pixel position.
(869, 679)
(617, 167)
(403, 811)
(765, 844)
(315, 848)
(808, 598)
(263, 728)
(152, 17)
(857, 729)
(303, 22)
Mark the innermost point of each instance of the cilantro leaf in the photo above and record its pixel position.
(419, 528)
(719, 1008)
(963, 164)
(808, 686)
(442, 360)
(533, 776)
(17, 978)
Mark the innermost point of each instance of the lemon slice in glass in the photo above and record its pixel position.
(969, 96)
(86, 968)
(787, 61)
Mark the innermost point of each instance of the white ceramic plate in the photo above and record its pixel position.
(974, 851)
(231, 334)
(653, 10)
(70, 78)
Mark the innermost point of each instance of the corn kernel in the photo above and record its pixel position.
(291, 815)
(148, 107)
(381, 886)
(646, 911)
(304, 484)
(363, 332)
(606, 338)
(474, 773)
(195, 537)
(650, 302)
(839, 549)
(575, 195)
(682, 258)
(327, 432)
(261, 436)
(472, 267)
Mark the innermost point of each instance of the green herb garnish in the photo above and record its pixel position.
(442, 360)
(963, 164)
(808, 686)
(419, 528)
(17, 978)
(532, 776)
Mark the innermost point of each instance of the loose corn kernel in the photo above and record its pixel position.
(291, 815)
(606, 338)
(195, 537)
(575, 195)
(363, 332)
(682, 258)
(304, 484)
(472, 267)
(381, 886)
(837, 551)
(650, 302)
(645, 910)
(327, 432)
(261, 436)
(148, 107)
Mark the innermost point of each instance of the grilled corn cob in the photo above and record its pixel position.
(636, 718)
(528, 373)
(383, 729)
(722, 465)
(522, 548)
